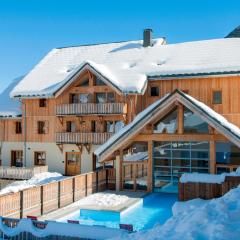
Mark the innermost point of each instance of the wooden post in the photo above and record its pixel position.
(121, 169)
(73, 189)
(21, 204)
(117, 161)
(149, 170)
(134, 176)
(212, 157)
(59, 194)
(41, 197)
(180, 119)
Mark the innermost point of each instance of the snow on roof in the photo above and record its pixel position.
(9, 107)
(141, 119)
(127, 65)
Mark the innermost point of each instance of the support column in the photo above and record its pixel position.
(180, 119)
(150, 170)
(118, 172)
(212, 157)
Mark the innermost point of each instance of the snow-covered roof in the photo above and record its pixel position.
(128, 65)
(9, 107)
(213, 118)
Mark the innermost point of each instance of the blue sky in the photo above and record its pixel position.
(30, 28)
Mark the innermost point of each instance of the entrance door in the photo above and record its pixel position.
(17, 158)
(73, 163)
(172, 159)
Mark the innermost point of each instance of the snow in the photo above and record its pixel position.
(216, 219)
(104, 200)
(207, 178)
(62, 229)
(140, 156)
(38, 179)
(9, 107)
(127, 65)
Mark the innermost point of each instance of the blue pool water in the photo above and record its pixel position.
(155, 208)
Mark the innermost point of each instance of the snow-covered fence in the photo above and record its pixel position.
(21, 173)
(22, 229)
(45, 198)
(207, 190)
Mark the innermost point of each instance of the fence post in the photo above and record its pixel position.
(21, 204)
(106, 178)
(73, 190)
(97, 181)
(41, 196)
(59, 194)
(86, 185)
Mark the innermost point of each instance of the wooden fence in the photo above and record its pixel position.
(191, 190)
(20, 173)
(42, 199)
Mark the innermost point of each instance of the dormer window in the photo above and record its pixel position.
(42, 102)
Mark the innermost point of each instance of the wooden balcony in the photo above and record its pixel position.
(91, 108)
(83, 138)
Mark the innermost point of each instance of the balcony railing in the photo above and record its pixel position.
(82, 138)
(91, 108)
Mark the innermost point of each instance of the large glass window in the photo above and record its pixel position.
(84, 97)
(172, 159)
(227, 153)
(168, 124)
(193, 123)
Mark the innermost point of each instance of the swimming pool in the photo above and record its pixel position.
(154, 208)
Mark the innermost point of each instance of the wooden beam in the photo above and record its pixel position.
(212, 157)
(117, 166)
(121, 169)
(60, 120)
(177, 137)
(88, 147)
(60, 146)
(180, 119)
(80, 147)
(149, 167)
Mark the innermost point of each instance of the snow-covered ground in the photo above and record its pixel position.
(38, 179)
(216, 219)
(104, 199)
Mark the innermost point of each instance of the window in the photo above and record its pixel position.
(110, 126)
(217, 97)
(71, 126)
(18, 128)
(84, 97)
(17, 158)
(154, 91)
(41, 125)
(193, 123)
(84, 83)
(40, 158)
(42, 102)
(73, 98)
(99, 82)
(168, 124)
(105, 97)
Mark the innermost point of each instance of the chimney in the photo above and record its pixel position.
(147, 37)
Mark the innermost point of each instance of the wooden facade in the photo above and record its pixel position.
(90, 118)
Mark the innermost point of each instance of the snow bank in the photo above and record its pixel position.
(216, 219)
(38, 179)
(104, 200)
(207, 178)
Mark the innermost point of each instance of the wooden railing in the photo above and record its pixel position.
(91, 108)
(41, 199)
(93, 138)
(20, 172)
